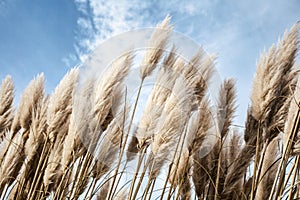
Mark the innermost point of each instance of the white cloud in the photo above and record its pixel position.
(237, 30)
(103, 19)
(69, 60)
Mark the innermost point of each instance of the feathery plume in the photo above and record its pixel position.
(274, 74)
(79, 126)
(267, 100)
(170, 59)
(225, 112)
(37, 130)
(180, 175)
(6, 100)
(161, 91)
(60, 106)
(110, 145)
(198, 73)
(171, 124)
(107, 84)
(52, 174)
(232, 146)
(30, 98)
(195, 139)
(200, 173)
(226, 106)
(264, 72)
(33, 148)
(199, 127)
(157, 44)
(237, 170)
(58, 117)
(156, 101)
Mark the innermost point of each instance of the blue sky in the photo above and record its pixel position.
(53, 36)
(35, 36)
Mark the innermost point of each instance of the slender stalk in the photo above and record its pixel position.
(293, 178)
(165, 184)
(137, 169)
(40, 168)
(121, 145)
(252, 195)
(176, 165)
(284, 158)
(126, 138)
(289, 175)
(5, 192)
(81, 160)
(218, 170)
(141, 178)
(120, 177)
(148, 186)
(151, 191)
(94, 182)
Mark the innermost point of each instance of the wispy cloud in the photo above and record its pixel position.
(237, 30)
(102, 19)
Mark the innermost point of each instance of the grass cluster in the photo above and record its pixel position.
(79, 142)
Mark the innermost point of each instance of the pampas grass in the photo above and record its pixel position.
(6, 100)
(80, 142)
(157, 44)
(58, 117)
